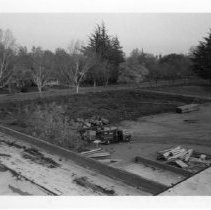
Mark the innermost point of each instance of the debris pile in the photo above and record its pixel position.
(98, 130)
(100, 155)
(94, 123)
(182, 157)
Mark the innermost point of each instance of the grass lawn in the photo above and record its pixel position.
(114, 105)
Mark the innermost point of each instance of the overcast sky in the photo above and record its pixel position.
(155, 33)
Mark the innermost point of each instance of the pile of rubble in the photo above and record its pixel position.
(98, 130)
(94, 123)
(182, 157)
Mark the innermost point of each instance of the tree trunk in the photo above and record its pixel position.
(94, 84)
(9, 88)
(106, 82)
(77, 88)
(39, 89)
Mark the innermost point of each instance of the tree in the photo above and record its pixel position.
(175, 66)
(21, 75)
(108, 49)
(7, 54)
(80, 64)
(40, 66)
(98, 74)
(132, 71)
(145, 59)
(202, 58)
(132, 74)
(63, 66)
(156, 73)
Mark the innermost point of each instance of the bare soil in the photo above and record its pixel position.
(162, 131)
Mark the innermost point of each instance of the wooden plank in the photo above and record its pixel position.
(91, 151)
(180, 163)
(187, 108)
(109, 160)
(99, 154)
(187, 157)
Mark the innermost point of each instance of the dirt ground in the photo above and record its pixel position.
(158, 132)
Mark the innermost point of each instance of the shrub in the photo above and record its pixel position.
(51, 124)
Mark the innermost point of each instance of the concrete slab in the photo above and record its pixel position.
(199, 184)
(12, 185)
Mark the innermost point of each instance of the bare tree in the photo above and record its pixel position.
(7, 51)
(40, 66)
(80, 64)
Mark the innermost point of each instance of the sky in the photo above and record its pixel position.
(157, 33)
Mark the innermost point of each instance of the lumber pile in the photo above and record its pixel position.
(99, 155)
(97, 130)
(187, 108)
(181, 157)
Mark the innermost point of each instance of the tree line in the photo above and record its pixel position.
(100, 62)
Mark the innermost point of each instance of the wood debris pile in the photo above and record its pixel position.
(95, 123)
(100, 155)
(98, 129)
(182, 157)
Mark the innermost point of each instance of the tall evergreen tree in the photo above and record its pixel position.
(202, 58)
(107, 49)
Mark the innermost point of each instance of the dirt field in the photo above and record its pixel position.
(158, 132)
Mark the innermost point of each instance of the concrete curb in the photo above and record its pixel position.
(114, 173)
(163, 166)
